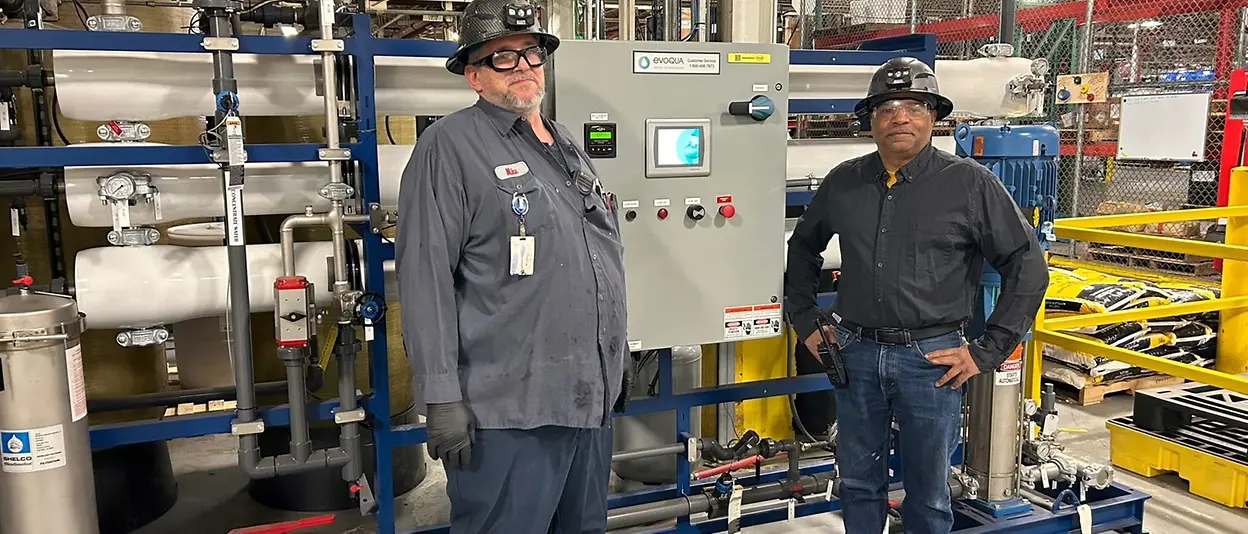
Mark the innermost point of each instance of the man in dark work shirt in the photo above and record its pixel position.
(916, 225)
(511, 272)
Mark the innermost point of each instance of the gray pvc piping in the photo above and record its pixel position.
(637, 454)
(700, 503)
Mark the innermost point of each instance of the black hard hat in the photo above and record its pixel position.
(486, 20)
(904, 77)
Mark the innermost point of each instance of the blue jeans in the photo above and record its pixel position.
(887, 382)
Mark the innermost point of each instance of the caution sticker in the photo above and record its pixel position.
(36, 449)
(749, 58)
(751, 322)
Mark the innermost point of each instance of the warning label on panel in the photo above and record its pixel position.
(38, 449)
(77, 385)
(750, 322)
(1011, 371)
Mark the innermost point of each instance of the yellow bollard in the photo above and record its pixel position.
(1233, 328)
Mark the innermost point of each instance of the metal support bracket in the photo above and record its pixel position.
(339, 154)
(246, 429)
(123, 131)
(133, 237)
(220, 44)
(114, 23)
(328, 45)
(379, 219)
(336, 191)
(352, 416)
(142, 337)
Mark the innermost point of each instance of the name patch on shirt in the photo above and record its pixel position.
(507, 172)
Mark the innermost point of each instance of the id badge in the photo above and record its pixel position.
(522, 253)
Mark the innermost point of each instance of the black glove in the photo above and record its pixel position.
(452, 431)
(626, 391)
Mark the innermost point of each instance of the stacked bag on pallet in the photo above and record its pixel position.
(1190, 339)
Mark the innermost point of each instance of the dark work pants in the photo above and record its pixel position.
(817, 409)
(545, 480)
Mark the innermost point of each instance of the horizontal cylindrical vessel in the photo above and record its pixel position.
(170, 85)
(977, 87)
(46, 484)
(195, 191)
(165, 86)
(120, 287)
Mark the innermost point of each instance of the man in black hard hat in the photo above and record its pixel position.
(511, 271)
(916, 225)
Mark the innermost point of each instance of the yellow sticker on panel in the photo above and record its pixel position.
(749, 58)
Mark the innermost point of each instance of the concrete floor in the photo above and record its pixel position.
(213, 498)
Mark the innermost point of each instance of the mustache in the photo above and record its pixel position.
(522, 77)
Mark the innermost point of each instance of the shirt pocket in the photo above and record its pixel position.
(525, 190)
(931, 249)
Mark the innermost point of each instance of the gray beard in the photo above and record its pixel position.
(523, 106)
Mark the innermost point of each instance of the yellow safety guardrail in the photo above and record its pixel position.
(1232, 354)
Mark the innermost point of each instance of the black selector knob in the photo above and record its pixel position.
(696, 212)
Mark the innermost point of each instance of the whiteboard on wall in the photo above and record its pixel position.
(1168, 127)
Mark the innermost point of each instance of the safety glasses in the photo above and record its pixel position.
(910, 108)
(508, 60)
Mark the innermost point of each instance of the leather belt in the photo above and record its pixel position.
(901, 336)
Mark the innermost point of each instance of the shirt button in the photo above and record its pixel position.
(567, 183)
(883, 230)
(890, 197)
(880, 264)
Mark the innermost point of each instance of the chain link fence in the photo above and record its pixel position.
(1147, 47)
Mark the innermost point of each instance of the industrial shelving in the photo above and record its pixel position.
(364, 48)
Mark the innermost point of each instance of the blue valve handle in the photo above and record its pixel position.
(372, 307)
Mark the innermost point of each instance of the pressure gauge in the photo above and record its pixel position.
(117, 187)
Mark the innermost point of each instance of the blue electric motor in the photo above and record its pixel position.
(1025, 159)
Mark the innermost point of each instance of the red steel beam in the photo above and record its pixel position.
(1039, 18)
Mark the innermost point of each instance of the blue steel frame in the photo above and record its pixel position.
(363, 47)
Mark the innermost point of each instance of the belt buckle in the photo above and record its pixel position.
(905, 334)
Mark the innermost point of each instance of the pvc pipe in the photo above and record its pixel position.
(699, 503)
(637, 454)
(170, 398)
(119, 287)
(171, 85)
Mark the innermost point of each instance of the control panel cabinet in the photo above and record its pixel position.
(691, 138)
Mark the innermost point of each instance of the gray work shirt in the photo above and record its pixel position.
(521, 351)
(912, 255)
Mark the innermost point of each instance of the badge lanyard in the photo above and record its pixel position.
(520, 205)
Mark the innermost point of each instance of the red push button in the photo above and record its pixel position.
(727, 211)
(662, 213)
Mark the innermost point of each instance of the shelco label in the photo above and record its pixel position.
(675, 63)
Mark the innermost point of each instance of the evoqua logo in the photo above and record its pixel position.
(643, 62)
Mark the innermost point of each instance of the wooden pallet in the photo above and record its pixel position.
(1096, 393)
(1153, 260)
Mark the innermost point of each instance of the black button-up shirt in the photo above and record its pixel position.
(521, 351)
(913, 255)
